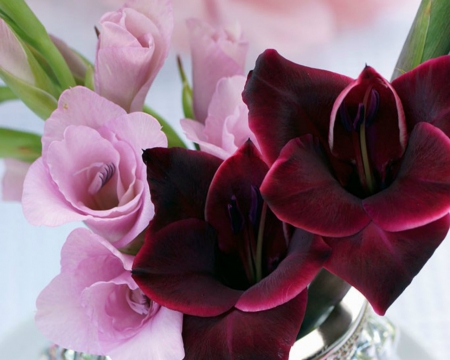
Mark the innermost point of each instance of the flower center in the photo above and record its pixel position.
(252, 248)
(140, 303)
(357, 125)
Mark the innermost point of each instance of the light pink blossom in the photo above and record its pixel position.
(95, 306)
(226, 127)
(91, 168)
(215, 54)
(132, 46)
(13, 178)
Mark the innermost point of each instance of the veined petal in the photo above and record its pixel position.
(421, 192)
(176, 267)
(424, 93)
(381, 264)
(301, 191)
(287, 100)
(236, 334)
(179, 181)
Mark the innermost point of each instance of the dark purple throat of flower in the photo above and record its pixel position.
(368, 131)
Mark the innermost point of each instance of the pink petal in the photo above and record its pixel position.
(95, 111)
(421, 192)
(42, 202)
(159, 339)
(13, 178)
(301, 191)
(215, 54)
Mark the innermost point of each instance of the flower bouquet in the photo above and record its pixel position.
(301, 184)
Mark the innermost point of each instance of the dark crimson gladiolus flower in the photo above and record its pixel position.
(216, 252)
(363, 163)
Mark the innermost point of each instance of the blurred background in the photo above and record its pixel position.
(337, 35)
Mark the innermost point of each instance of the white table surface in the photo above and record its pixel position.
(29, 256)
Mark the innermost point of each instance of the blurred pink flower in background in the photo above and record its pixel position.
(133, 43)
(91, 168)
(289, 25)
(216, 53)
(101, 310)
(13, 178)
(226, 126)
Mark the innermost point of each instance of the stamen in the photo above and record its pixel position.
(235, 215)
(372, 107)
(107, 173)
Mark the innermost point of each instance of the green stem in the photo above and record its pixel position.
(172, 137)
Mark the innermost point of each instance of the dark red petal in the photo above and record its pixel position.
(234, 178)
(421, 192)
(264, 335)
(382, 264)
(238, 180)
(425, 93)
(179, 181)
(301, 191)
(287, 100)
(176, 268)
(388, 122)
(306, 255)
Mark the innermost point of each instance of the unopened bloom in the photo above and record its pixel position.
(94, 306)
(215, 252)
(226, 126)
(132, 46)
(216, 53)
(363, 163)
(91, 168)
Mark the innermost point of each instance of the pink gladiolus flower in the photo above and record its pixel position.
(364, 163)
(13, 178)
(226, 126)
(95, 306)
(91, 168)
(215, 54)
(132, 46)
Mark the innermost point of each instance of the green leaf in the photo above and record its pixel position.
(19, 145)
(6, 94)
(172, 137)
(429, 36)
(39, 101)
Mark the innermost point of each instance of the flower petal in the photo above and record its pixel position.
(176, 268)
(382, 264)
(421, 192)
(287, 100)
(179, 181)
(424, 93)
(240, 335)
(301, 191)
(306, 255)
(13, 178)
